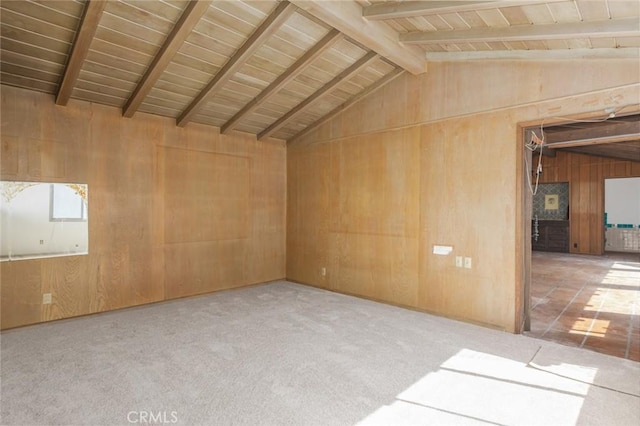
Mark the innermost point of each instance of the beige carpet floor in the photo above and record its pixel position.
(287, 354)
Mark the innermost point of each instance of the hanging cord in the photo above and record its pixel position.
(535, 143)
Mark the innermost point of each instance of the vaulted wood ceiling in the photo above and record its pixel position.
(279, 68)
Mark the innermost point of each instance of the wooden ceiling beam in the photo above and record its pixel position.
(628, 137)
(346, 17)
(84, 35)
(603, 130)
(346, 105)
(292, 72)
(344, 75)
(593, 29)
(408, 9)
(270, 25)
(181, 30)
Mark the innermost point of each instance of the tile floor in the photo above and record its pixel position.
(591, 302)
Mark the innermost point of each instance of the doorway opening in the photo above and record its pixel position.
(573, 291)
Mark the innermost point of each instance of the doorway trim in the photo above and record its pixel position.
(524, 200)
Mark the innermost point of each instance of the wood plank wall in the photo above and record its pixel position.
(426, 160)
(586, 175)
(370, 209)
(433, 160)
(173, 212)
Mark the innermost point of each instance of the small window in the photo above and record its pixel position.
(66, 204)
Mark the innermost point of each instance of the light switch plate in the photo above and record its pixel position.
(46, 298)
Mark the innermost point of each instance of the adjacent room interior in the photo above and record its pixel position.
(584, 289)
(413, 208)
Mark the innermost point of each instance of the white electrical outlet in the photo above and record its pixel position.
(46, 298)
(458, 261)
(323, 271)
(467, 262)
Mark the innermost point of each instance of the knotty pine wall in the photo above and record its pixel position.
(586, 175)
(173, 212)
(435, 159)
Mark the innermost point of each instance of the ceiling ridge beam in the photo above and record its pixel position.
(591, 29)
(346, 17)
(596, 141)
(604, 129)
(270, 25)
(181, 30)
(84, 35)
(344, 75)
(348, 104)
(408, 9)
(559, 54)
(292, 72)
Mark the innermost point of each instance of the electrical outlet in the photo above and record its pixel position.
(467, 262)
(323, 271)
(458, 261)
(46, 298)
